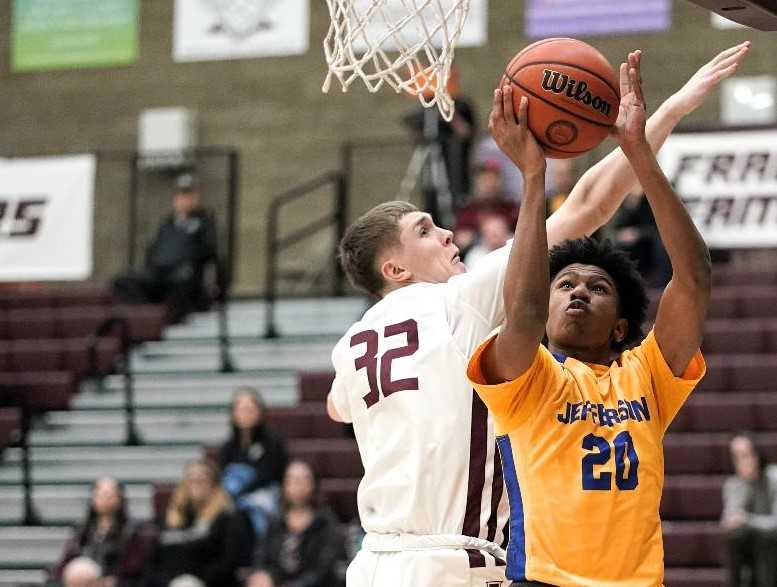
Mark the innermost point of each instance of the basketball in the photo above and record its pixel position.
(572, 91)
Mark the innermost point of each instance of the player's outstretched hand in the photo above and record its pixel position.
(723, 65)
(512, 133)
(629, 128)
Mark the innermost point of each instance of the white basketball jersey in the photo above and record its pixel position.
(425, 438)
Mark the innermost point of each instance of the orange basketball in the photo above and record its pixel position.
(573, 94)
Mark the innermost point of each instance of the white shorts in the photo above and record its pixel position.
(423, 568)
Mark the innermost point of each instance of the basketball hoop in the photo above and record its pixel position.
(420, 34)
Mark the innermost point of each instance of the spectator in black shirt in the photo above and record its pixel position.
(205, 541)
(118, 546)
(253, 460)
(305, 545)
(176, 259)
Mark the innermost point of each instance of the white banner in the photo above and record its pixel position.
(474, 33)
(46, 207)
(209, 30)
(728, 181)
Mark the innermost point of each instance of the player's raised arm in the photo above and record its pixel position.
(683, 306)
(527, 276)
(600, 191)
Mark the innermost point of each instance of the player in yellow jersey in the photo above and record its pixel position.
(580, 423)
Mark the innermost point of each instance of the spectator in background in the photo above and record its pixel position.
(493, 233)
(488, 197)
(561, 179)
(205, 541)
(750, 516)
(635, 232)
(253, 460)
(512, 180)
(174, 271)
(115, 545)
(304, 547)
(455, 137)
(82, 572)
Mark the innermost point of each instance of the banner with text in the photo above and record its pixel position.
(555, 18)
(57, 34)
(209, 30)
(728, 181)
(46, 218)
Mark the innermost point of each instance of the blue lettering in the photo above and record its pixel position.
(623, 410)
(575, 416)
(612, 417)
(640, 409)
(564, 418)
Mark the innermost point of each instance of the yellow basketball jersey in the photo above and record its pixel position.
(583, 461)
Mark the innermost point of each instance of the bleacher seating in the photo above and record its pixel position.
(183, 403)
(44, 335)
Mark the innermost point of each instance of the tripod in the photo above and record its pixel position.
(427, 167)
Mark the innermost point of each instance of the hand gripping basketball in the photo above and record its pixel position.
(513, 135)
(572, 91)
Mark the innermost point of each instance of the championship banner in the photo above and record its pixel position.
(46, 218)
(728, 181)
(474, 33)
(558, 18)
(210, 30)
(60, 34)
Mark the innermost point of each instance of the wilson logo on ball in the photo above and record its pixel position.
(560, 83)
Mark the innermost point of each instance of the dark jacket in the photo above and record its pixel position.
(123, 554)
(267, 455)
(306, 560)
(181, 247)
(214, 553)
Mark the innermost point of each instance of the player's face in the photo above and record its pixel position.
(583, 311)
(426, 251)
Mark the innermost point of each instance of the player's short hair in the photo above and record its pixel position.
(370, 235)
(632, 290)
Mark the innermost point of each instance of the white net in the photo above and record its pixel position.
(407, 44)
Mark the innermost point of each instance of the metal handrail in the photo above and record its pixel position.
(132, 438)
(276, 243)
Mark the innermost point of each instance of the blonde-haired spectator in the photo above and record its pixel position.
(204, 538)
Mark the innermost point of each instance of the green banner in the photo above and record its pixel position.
(70, 34)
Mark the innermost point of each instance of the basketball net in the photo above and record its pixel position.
(420, 35)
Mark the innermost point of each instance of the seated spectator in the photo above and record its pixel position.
(635, 232)
(108, 543)
(494, 232)
(488, 198)
(512, 180)
(750, 516)
(304, 547)
(174, 271)
(560, 180)
(253, 460)
(204, 541)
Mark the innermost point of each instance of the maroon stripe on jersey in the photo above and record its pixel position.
(477, 559)
(506, 541)
(497, 487)
(477, 466)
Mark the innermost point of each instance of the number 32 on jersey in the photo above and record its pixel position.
(370, 359)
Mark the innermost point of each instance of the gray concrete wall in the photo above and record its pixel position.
(273, 111)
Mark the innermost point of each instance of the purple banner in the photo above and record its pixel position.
(553, 18)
